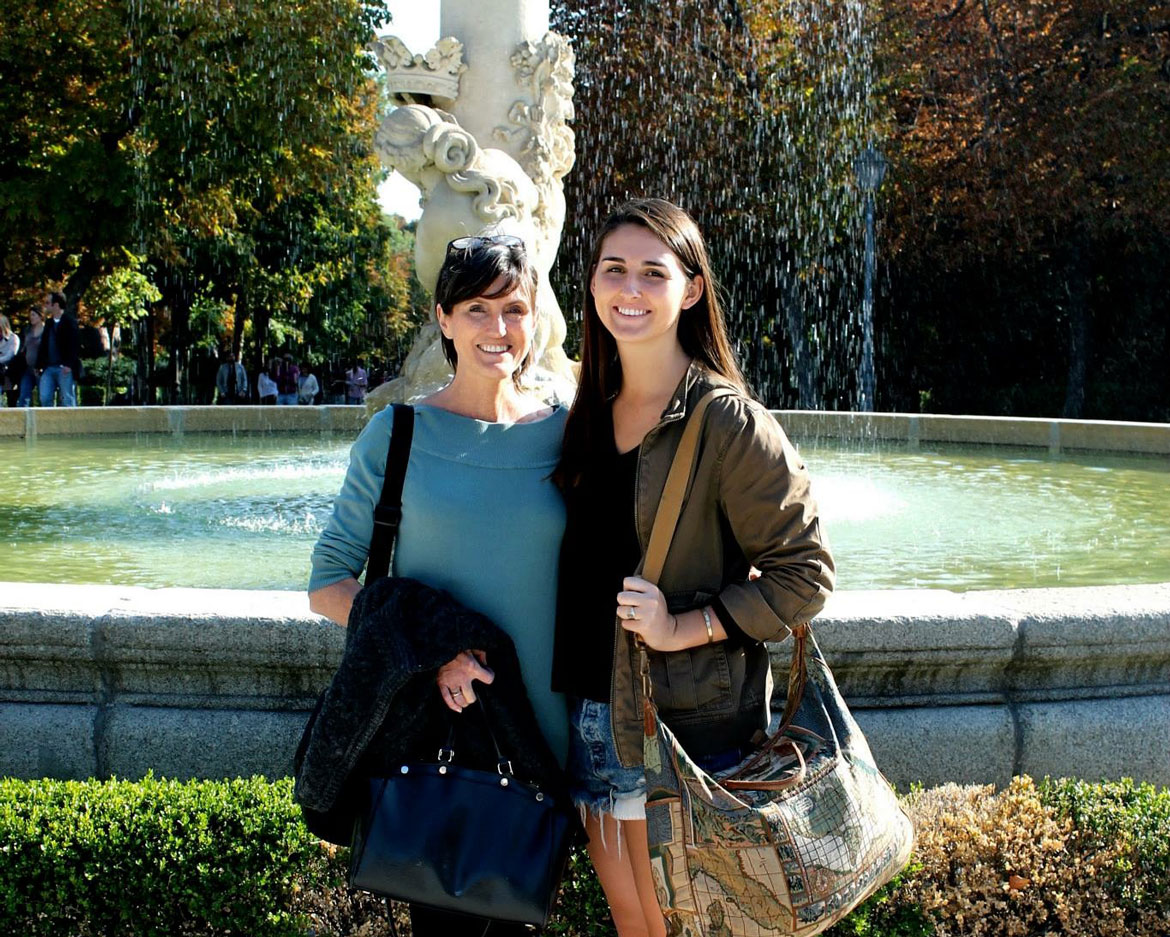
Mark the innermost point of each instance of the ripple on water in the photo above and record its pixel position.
(244, 513)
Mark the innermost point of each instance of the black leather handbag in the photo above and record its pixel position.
(452, 837)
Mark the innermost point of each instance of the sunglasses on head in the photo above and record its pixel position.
(485, 240)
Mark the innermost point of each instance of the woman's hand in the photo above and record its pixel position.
(456, 675)
(642, 610)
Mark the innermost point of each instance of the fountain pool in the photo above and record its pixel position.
(242, 511)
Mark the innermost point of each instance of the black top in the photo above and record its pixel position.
(599, 550)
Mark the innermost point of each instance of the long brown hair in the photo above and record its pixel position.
(701, 329)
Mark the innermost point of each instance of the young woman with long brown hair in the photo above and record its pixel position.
(748, 560)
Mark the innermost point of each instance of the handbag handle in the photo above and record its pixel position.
(447, 752)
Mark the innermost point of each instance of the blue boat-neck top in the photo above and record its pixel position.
(481, 519)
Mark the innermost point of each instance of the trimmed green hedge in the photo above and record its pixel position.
(157, 858)
(154, 858)
(1130, 823)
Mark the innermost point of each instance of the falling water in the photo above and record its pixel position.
(750, 116)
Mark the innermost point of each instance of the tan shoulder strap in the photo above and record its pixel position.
(670, 505)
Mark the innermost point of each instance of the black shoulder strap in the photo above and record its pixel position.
(389, 510)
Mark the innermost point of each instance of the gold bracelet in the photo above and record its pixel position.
(707, 622)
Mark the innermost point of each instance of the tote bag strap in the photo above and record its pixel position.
(674, 492)
(661, 535)
(388, 511)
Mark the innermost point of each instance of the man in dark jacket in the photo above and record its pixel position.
(57, 357)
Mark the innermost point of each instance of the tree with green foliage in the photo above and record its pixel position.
(120, 299)
(66, 175)
(231, 147)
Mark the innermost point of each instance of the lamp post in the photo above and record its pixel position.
(870, 167)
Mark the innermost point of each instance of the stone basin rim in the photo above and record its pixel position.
(912, 429)
(969, 687)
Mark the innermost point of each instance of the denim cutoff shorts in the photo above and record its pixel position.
(598, 782)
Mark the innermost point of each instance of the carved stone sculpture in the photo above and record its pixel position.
(507, 181)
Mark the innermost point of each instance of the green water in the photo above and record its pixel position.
(218, 512)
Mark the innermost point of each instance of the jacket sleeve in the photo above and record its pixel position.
(344, 544)
(764, 492)
(69, 339)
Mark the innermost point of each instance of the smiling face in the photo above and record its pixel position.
(639, 287)
(492, 334)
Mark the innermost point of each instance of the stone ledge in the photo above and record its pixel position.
(912, 429)
(969, 687)
(101, 421)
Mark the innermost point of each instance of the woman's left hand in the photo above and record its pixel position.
(642, 610)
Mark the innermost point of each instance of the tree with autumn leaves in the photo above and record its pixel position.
(1024, 227)
(1027, 220)
(228, 145)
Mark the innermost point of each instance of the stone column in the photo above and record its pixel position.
(491, 31)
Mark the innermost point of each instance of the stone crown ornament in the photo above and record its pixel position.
(431, 78)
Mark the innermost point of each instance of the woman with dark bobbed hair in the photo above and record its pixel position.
(481, 517)
(748, 560)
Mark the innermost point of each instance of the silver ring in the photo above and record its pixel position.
(631, 616)
(457, 692)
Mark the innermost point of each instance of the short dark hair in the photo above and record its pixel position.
(469, 273)
(57, 298)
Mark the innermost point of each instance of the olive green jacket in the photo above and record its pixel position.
(748, 504)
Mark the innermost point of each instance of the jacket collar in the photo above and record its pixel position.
(696, 382)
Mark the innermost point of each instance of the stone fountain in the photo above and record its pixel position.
(480, 125)
(970, 687)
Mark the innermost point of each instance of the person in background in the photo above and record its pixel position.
(307, 386)
(31, 344)
(231, 381)
(266, 383)
(9, 346)
(57, 356)
(287, 382)
(356, 382)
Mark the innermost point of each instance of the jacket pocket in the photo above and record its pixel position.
(692, 683)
